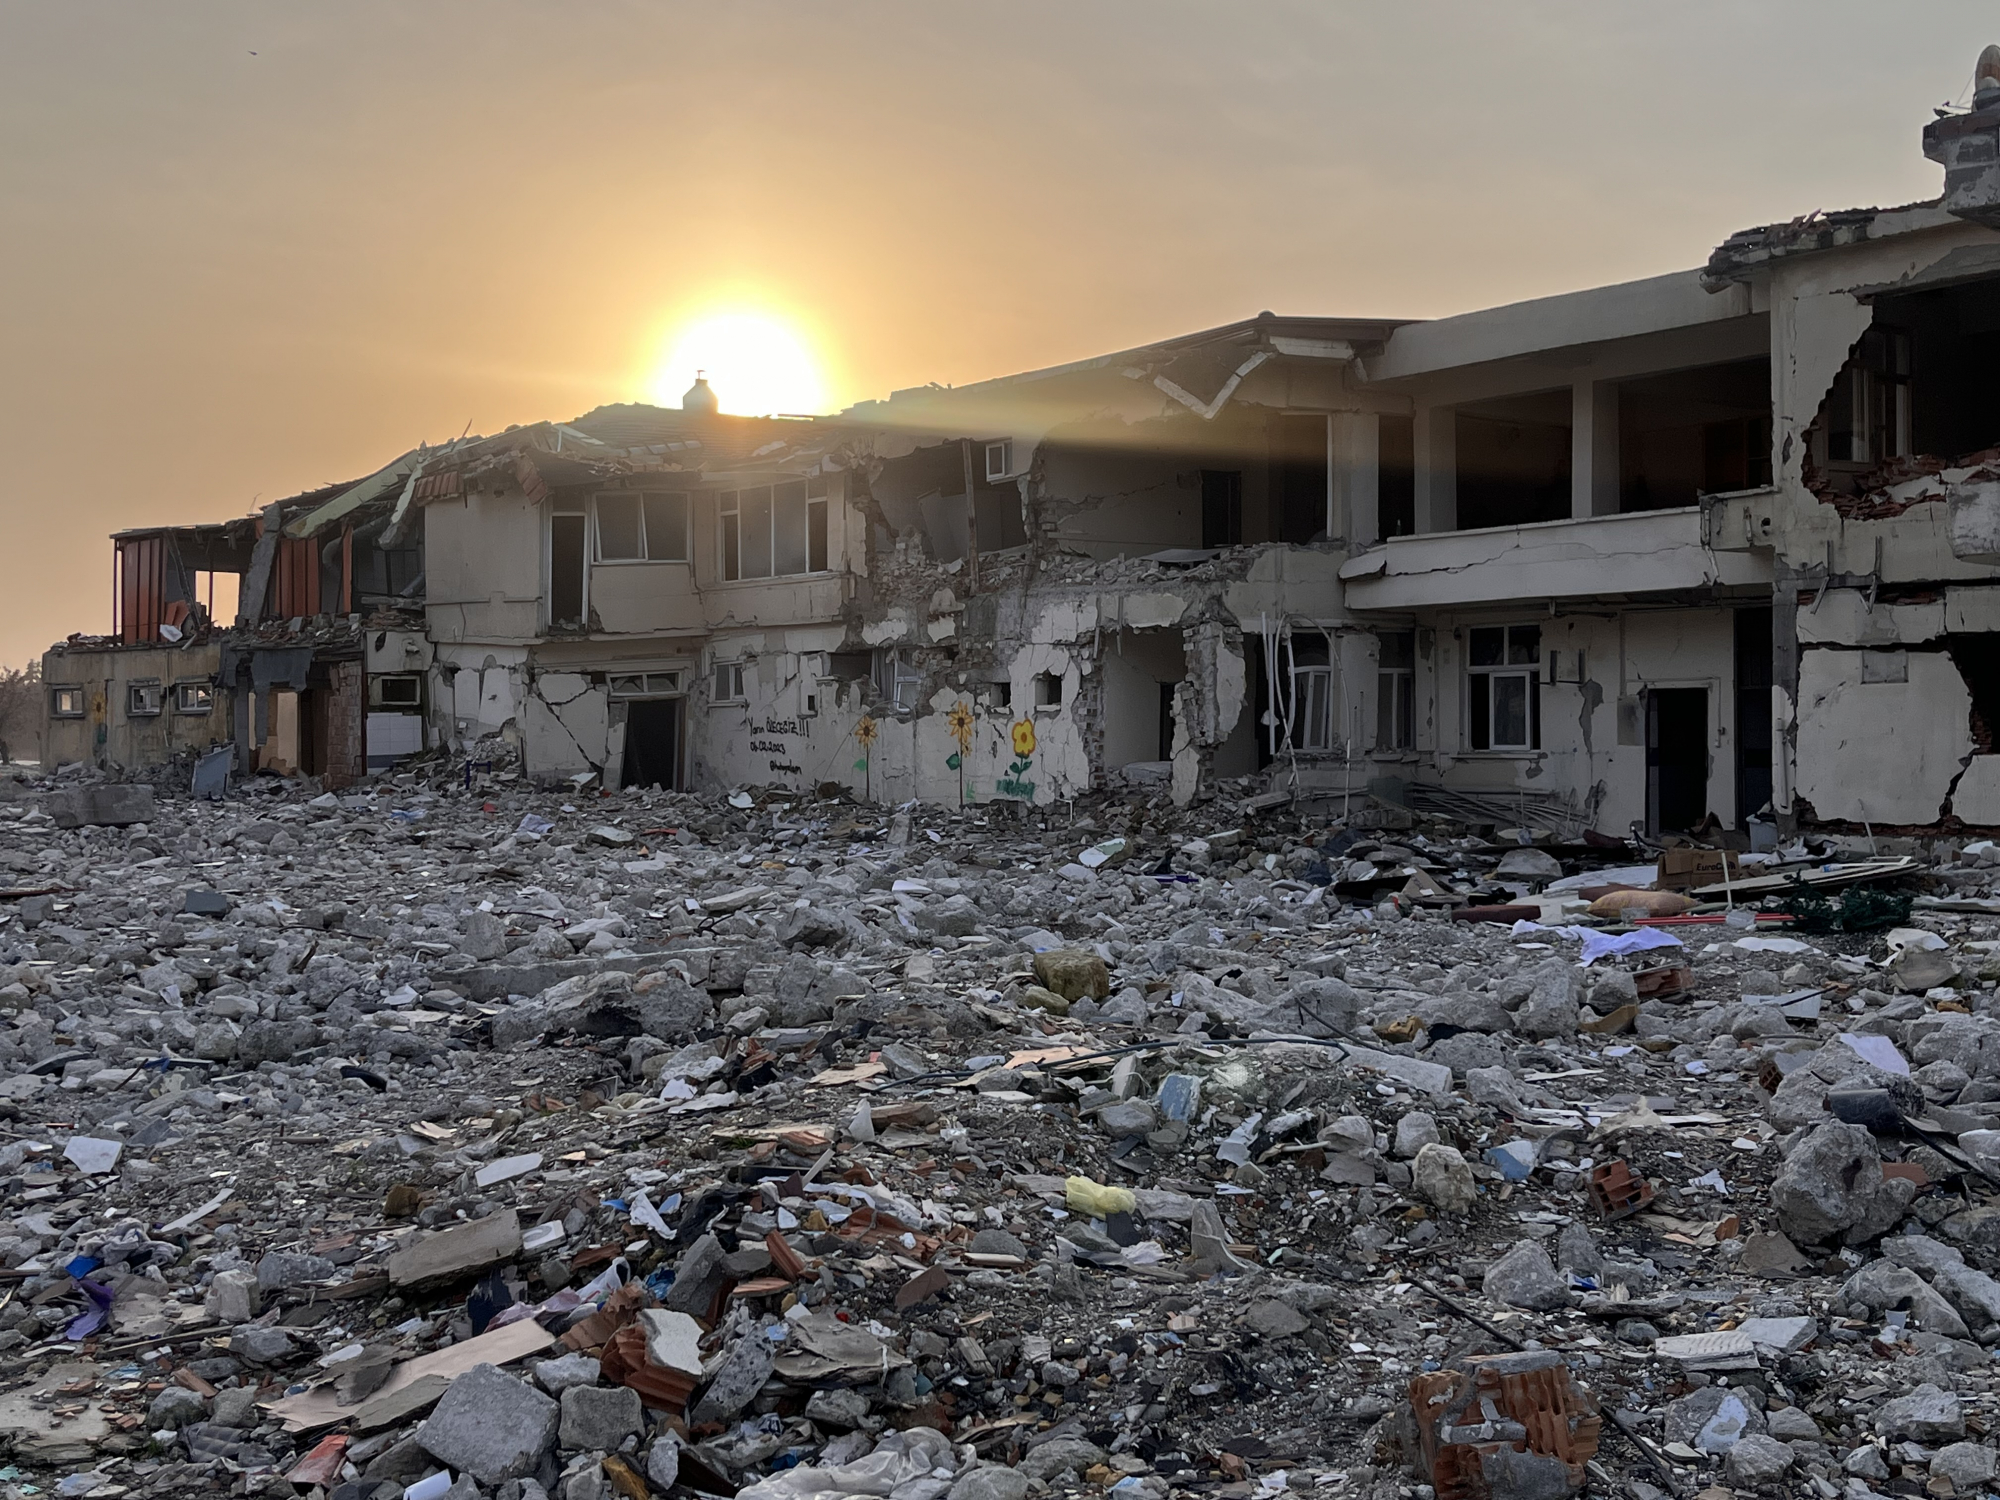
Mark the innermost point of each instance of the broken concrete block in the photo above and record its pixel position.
(105, 806)
(743, 1373)
(1442, 1177)
(600, 1418)
(1831, 1188)
(459, 1252)
(1526, 1277)
(491, 1425)
(1926, 1415)
(1073, 974)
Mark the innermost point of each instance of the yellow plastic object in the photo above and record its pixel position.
(1096, 1201)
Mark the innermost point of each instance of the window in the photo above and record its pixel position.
(403, 690)
(66, 703)
(642, 526)
(1312, 691)
(1003, 693)
(728, 684)
(1503, 680)
(646, 684)
(1868, 409)
(567, 574)
(772, 531)
(144, 699)
(898, 679)
(999, 459)
(193, 698)
(1395, 690)
(1048, 690)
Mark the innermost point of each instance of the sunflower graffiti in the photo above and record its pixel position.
(1012, 784)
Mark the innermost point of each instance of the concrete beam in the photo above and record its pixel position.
(1594, 454)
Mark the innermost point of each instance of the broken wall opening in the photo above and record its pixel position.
(1918, 393)
(1514, 460)
(653, 736)
(1693, 432)
(1139, 673)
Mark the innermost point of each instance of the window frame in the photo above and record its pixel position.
(137, 685)
(58, 692)
(182, 691)
(1876, 385)
(891, 673)
(715, 679)
(733, 527)
(649, 685)
(1313, 730)
(642, 519)
(1004, 447)
(1481, 697)
(1396, 696)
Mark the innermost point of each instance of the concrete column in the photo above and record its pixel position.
(1435, 432)
(1593, 465)
(1356, 469)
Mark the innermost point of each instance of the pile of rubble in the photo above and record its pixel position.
(474, 1141)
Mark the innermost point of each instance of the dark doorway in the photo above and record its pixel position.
(1221, 508)
(1753, 711)
(1676, 758)
(1167, 720)
(652, 743)
(566, 570)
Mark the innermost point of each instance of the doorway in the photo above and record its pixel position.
(653, 743)
(1676, 759)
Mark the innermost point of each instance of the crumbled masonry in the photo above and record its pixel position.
(454, 1138)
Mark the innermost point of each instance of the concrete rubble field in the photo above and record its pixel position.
(455, 1140)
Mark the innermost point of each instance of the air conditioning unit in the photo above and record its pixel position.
(401, 691)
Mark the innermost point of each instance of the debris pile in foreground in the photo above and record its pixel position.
(478, 1142)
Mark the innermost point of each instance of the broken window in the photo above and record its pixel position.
(1396, 690)
(1503, 687)
(193, 698)
(898, 679)
(1312, 691)
(1868, 409)
(773, 531)
(66, 703)
(1001, 692)
(1048, 690)
(727, 686)
(1221, 508)
(639, 526)
(144, 699)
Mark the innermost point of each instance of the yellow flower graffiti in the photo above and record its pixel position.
(959, 722)
(1024, 736)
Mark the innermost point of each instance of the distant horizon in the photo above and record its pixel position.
(261, 251)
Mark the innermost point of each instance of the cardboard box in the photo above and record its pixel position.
(1684, 868)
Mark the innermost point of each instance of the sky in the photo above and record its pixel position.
(249, 249)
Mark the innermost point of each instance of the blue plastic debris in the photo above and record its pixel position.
(1515, 1159)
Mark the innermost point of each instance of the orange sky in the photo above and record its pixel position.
(252, 248)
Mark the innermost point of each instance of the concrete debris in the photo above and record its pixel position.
(738, 1204)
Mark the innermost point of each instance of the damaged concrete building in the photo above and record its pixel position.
(1717, 544)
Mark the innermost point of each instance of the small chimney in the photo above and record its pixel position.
(699, 400)
(1967, 146)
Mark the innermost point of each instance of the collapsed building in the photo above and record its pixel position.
(1716, 545)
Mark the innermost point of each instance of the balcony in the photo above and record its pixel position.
(1609, 558)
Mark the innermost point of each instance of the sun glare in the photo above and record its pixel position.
(755, 365)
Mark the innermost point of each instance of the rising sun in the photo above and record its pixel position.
(754, 363)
